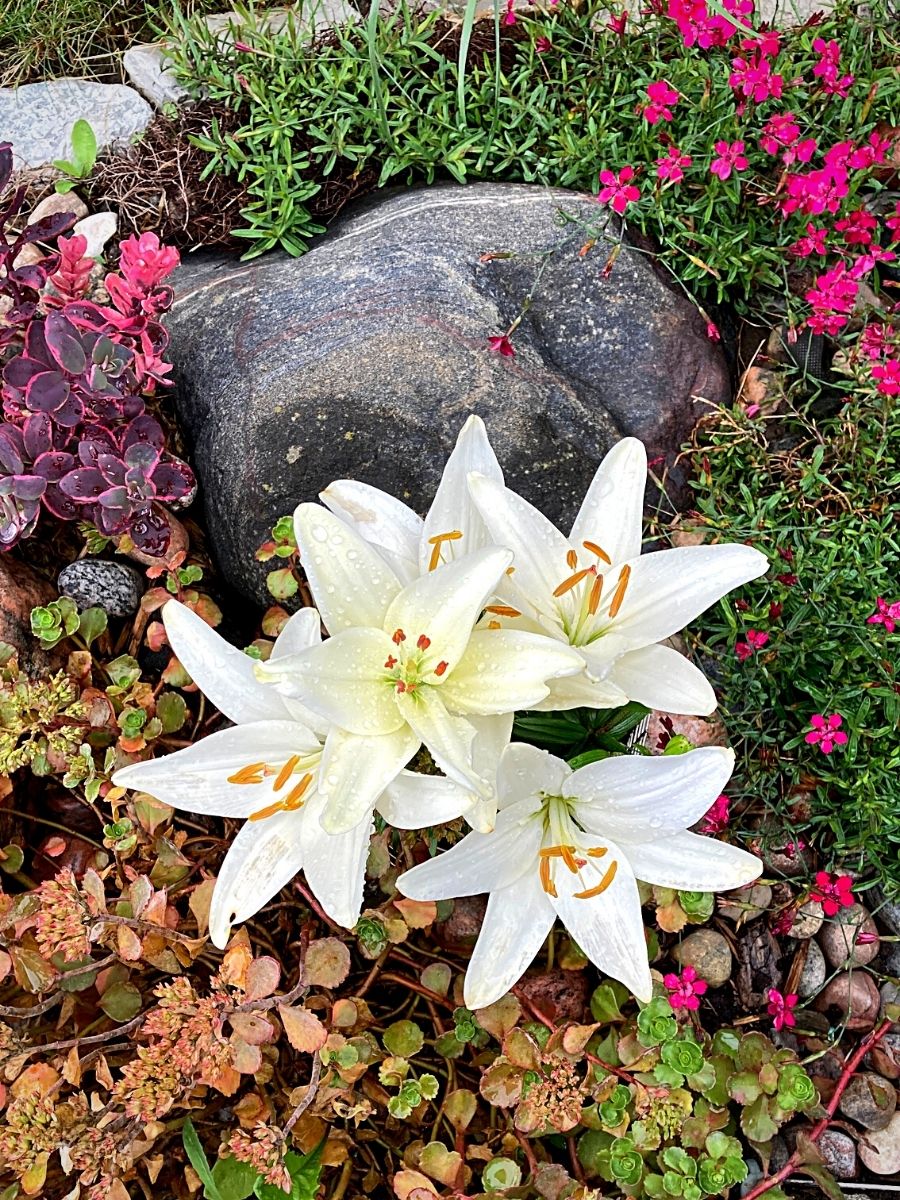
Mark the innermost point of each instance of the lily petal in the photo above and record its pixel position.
(693, 863)
(580, 691)
(669, 588)
(516, 923)
(612, 512)
(526, 771)
(196, 779)
(223, 673)
(607, 927)
(380, 519)
(539, 549)
(343, 680)
(448, 738)
(263, 857)
(481, 862)
(452, 509)
(661, 678)
(301, 631)
(492, 736)
(351, 582)
(356, 770)
(335, 864)
(445, 603)
(415, 801)
(503, 670)
(636, 799)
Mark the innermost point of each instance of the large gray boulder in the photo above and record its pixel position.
(364, 357)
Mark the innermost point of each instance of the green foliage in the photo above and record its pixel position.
(84, 155)
(52, 622)
(818, 491)
(283, 582)
(399, 96)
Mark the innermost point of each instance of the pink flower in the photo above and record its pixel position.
(779, 131)
(697, 27)
(542, 45)
(768, 43)
(145, 263)
(857, 227)
(685, 989)
(617, 24)
(872, 151)
(510, 16)
(792, 849)
(817, 191)
(730, 157)
(826, 732)
(885, 614)
(501, 343)
(826, 69)
(887, 376)
(755, 641)
(753, 78)
(813, 243)
(618, 190)
(717, 816)
(874, 342)
(712, 331)
(659, 95)
(833, 892)
(865, 263)
(672, 166)
(832, 300)
(782, 1009)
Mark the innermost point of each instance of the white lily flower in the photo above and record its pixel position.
(452, 526)
(594, 590)
(404, 667)
(267, 769)
(572, 845)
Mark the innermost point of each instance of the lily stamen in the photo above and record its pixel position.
(436, 543)
(597, 851)
(596, 593)
(598, 550)
(566, 853)
(286, 772)
(601, 886)
(546, 881)
(252, 773)
(571, 560)
(619, 593)
(573, 581)
(503, 610)
(291, 801)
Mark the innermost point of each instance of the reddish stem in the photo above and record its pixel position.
(819, 1128)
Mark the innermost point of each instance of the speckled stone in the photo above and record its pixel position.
(880, 1151)
(808, 920)
(839, 1154)
(365, 356)
(814, 972)
(708, 953)
(101, 583)
(869, 1100)
(838, 938)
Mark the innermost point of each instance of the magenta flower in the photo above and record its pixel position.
(792, 849)
(510, 17)
(753, 79)
(826, 69)
(685, 989)
(857, 227)
(617, 24)
(717, 815)
(887, 376)
(780, 131)
(781, 1008)
(832, 300)
(501, 343)
(815, 242)
(730, 158)
(875, 341)
(755, 641)
(672, 166)
(833, 892)
(712, 331)
(885, 614)
(660, 96)
(826, 732)
(542, 45)
(618, 191)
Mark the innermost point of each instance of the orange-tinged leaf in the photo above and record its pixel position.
(128, 944)
(304, 1030)
(406, 1182)
(263, 975)
(418, 914)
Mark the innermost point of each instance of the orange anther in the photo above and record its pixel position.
(546, 881)
(572, 581)
(503, 610)
(398, 636)
(596, 593)
(252, 773)
(286, 772)
(601, 886)
(292, 799)
(619, 593)
(571, 560)
(424, 642)
(598, 550)
(597, 851)
(441, 668)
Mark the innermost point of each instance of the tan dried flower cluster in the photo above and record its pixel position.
(555, 1099)
(61, 921)
(263, 1149)
(39, 718)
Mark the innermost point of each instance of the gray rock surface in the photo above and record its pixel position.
(102, 583)
(708, 953)
(880, 1149)
(838, 938)
(869, 1100)
(365, 356)
(148, 69)
(814, 971)
(38, 117)
(839, 1154)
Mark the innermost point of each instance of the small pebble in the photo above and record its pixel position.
(708, 953)
(880, 1150)
(839, 1154)
(99, 228)
(839, 938)
(814, 972)
(890, 994)
(885, 1057)
(808, 920)
(50, 205)
(855, 997)
(102, 583)
(747, 903)
(869, 1100)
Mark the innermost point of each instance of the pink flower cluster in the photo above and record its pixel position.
(717, 815)
(827, 68)
(698, 27)
(685, 989)
(885, 614)
(826, 732)
(781, 1008)
(833, 892)
(755, 641)
(660, 97)
(753, 78)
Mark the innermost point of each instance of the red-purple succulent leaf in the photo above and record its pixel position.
(150, 532)
(38, 434)
(64, 343)
(53, 465)
(86, 315)
(95, 440)
(115, 497)
(48, 228)
(70, 414)
(28, 487)
(36, 345)
(59, 504)
(12, 458)
(19, 371)
(83, 485)
(142, 458)
(173, 480)
(144, 430)
(112, 468)
(47, 392)
(32, 276)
